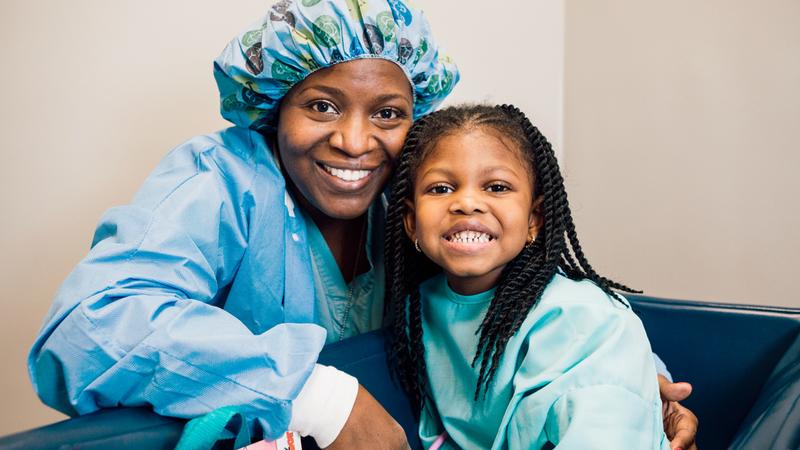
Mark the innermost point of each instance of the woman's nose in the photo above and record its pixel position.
(352, 136)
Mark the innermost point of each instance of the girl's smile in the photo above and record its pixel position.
(472, 210)
(469, 236)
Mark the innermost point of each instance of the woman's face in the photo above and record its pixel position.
(340, 131)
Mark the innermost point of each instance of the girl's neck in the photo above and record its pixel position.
(471, 285)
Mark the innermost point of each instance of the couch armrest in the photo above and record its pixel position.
(117, 428)
(726, 351)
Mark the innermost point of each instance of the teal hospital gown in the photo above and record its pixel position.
(578, 374)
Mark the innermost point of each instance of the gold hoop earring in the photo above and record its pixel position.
(416, 245)
(531, 240)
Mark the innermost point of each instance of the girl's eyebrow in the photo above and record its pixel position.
(486, 170)
(440, 170)
(491, 169)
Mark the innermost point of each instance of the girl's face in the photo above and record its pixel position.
(340, 131)
(473, 208)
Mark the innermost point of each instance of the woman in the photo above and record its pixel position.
(247, 250)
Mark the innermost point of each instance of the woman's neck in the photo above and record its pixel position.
(346, 239)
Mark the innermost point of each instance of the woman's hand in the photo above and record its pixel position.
(680, 424)
(370, 427)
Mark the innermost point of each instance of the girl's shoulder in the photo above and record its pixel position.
(581, 303)
(563, 291)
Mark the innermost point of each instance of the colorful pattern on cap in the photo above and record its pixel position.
(298, 37)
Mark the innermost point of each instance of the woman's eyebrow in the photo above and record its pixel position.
(340, 93)
(330, 90)
(383, 98)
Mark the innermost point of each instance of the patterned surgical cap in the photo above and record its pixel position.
(298, 37)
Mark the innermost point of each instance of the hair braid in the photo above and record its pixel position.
(406, 352)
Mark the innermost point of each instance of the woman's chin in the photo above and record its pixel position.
(345, 210)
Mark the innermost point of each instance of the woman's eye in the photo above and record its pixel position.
(323, 107)
(389, 114)
(498, 188)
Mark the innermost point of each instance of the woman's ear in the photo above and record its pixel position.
(410, 220)
(535, 220)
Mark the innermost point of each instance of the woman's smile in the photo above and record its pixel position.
(347, 180)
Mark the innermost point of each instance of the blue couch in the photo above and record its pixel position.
(744, 363)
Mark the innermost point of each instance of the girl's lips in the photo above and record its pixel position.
(467, 247)
(468, 225)
(468, 237)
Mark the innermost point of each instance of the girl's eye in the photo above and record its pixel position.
(324, 107)
(440, 189)
(497, 187)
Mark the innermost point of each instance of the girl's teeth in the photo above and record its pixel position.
(469, 237)
(346, 174)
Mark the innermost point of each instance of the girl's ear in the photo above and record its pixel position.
(535, 220)
(410, 220)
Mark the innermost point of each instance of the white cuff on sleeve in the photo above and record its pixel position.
(661, 368)
(324, 404)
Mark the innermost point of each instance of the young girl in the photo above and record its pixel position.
(504, 335)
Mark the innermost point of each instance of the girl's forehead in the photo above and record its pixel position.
(479, 142)
(472, 150)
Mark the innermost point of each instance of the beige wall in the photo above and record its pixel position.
(681, 153)
(95, 92)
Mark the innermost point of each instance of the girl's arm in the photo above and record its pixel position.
(136, 323)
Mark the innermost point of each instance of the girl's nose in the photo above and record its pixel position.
(352, 136)
(468, 202)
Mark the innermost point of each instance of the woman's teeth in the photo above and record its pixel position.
(347, 174)
(469, 237)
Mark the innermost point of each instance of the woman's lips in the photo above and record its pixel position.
(345, 179)
(346, 174)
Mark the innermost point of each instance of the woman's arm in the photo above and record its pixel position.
(136, 323)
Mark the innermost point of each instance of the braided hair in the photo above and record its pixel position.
(522, 281)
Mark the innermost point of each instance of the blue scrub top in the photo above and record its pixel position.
(191, 295)
(349, 309)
